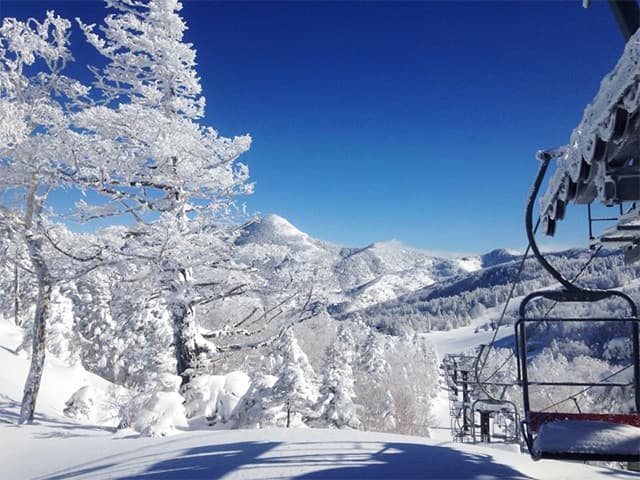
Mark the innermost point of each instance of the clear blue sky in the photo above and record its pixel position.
(414, 121)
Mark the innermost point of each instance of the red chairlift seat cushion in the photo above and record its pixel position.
(537, 419)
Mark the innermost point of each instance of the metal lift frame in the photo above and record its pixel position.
(570, 293)
(535, 419)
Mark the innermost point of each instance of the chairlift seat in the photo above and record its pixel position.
(596, 437)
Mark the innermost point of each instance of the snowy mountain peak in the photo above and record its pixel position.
(272, 229)
(498, 256)
(276, 222)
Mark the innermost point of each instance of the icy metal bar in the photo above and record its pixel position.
(582, 384)
(627, 15)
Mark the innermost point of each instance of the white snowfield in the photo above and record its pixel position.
(57, 448)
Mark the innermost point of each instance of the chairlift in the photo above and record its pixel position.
(492, 413)
(601, 161)
(579, 435)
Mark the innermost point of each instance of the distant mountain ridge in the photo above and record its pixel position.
(393, 286)
(349, 277)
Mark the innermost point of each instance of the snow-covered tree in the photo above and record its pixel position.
(36, 150)
(255, 409)
(336, 406)
(295, 389)
(161, 407)
(149, 157)
(373, 378)
(285, 399)
(413, 383)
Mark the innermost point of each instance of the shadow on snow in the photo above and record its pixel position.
(407, 460)
(204, 462)
(343, 460)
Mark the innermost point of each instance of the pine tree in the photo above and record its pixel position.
(283, 400)
(337, 396)
(372, 385)
(295, 389)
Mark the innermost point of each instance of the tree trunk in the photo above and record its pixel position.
(185, 335)
(38, 350)
(34, 243)
(16, 294)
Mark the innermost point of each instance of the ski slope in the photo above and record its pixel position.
(58, 448)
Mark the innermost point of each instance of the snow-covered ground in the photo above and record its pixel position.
(58, 451)
(59, 382)
(58, 448)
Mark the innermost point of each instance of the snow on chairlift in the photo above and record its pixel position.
(570, 435)
(601, 161)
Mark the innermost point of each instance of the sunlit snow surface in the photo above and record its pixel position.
(56, 451)
(57, 448)
(591, 437)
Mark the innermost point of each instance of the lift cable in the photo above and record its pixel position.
(504, 309)
(546, 314)
(586, 389)
(545, 158)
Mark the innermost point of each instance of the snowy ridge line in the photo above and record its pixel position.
(585, 166)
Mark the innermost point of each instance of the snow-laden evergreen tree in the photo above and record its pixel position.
(295, 389)
(285, 399)
(372, 385)
(336, 405)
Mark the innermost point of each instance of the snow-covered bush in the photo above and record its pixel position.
(198, 395)
(161, 414)
(255, 409)
(81, 404)
(236, 385)
(162, 410)
(215, 396)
